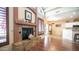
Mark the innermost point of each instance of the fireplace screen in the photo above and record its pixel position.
(26, 32)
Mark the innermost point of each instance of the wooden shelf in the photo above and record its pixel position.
(24, 23)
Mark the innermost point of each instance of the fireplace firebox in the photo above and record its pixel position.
(26, 32)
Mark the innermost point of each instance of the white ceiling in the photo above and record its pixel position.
(56, 13)
(47, 9)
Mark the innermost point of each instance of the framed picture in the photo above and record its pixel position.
(28, 15)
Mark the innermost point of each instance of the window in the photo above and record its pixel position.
(4, 40)
(41, 26)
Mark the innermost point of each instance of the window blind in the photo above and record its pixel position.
(3, 24)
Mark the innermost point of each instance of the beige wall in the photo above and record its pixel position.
(8, 47)
(57, 31)
(21, 14)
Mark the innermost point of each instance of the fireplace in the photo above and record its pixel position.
(26, 32)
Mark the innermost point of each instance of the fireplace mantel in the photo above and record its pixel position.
(24, 23)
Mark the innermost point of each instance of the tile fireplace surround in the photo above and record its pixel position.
(19, 31)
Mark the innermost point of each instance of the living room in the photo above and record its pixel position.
(38, 29)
